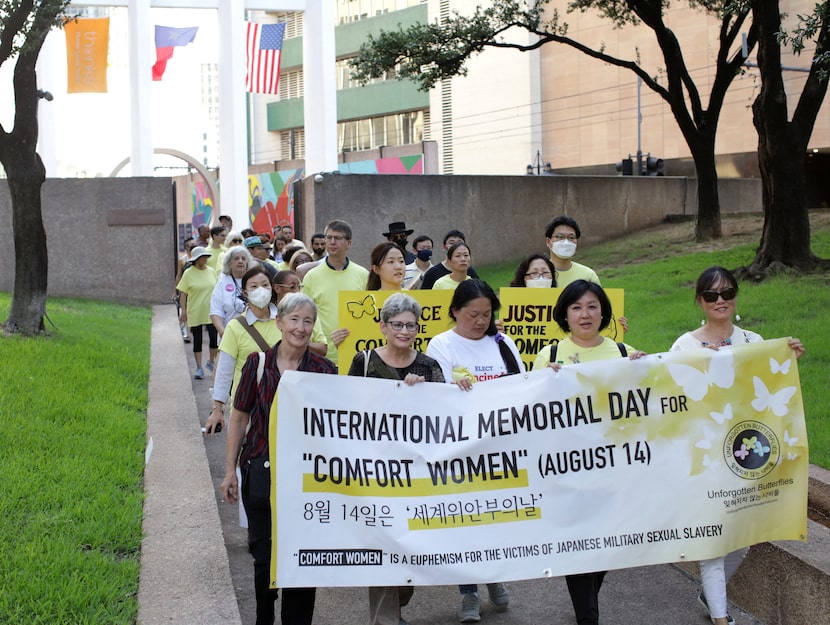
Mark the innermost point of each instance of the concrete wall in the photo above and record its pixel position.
(504, 217)
(107, 238)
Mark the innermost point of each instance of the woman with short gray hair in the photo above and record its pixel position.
(396, 360)
(227, 300)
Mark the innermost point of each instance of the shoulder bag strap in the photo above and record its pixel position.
(623, 350)
(508, 358)
(263, 344)
(553, 349)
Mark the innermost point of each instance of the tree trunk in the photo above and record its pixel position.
(782, 147)
(26, 175)
(785, 239)
(707, 224)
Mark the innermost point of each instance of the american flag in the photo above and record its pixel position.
(264, 47)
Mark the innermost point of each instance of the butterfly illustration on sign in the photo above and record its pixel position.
(791, 441)
(366, 306)
(765, 400)
(696, 383)
(720, 417)
(784, 367)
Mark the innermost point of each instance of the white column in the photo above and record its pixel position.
(233, 133)
(142, 56)
(320, 102)
(46, 111)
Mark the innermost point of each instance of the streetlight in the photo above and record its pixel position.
(537, 165)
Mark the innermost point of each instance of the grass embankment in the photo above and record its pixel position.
(658, 268)
(73, 417)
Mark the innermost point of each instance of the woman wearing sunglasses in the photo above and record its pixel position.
(716, 292)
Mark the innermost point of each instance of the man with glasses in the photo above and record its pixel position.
(561, 236)
(335, 273)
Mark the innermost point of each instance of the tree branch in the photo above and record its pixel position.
(13, 24)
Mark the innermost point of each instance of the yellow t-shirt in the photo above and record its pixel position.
(198, 284)
(569, 353)
(239, 344)
(446, 283)
(576, 272)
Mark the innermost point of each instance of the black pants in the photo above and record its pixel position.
(297, 603)
(213, 336)
(584, 590)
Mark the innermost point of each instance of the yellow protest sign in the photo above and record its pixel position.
(527, 315)
(360, 313)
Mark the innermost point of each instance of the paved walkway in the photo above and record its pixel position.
(195, 569)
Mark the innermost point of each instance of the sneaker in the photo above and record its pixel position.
(470, 610)
(209, 365)
(498, 596)
(200, 374)
(702, 600)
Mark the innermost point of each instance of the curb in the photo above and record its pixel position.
(185, 576)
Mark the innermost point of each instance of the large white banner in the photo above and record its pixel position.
(676, 456)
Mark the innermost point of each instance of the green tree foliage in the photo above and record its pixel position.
(24, 25)
(428, 53)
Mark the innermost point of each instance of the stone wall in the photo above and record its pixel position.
(504, 217)
(107, 238)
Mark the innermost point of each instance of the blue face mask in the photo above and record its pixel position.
(424, 255)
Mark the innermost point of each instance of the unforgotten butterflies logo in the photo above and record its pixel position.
(751, 450)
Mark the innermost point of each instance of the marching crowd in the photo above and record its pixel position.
(269, 304)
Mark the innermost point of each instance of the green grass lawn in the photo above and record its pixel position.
(73, 412)
(658, 268)
(72, 442)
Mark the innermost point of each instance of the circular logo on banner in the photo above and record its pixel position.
(751, 450)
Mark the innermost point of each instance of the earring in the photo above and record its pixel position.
(703, 322)
(737, 317)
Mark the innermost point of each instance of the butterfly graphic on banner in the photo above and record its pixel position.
(696, 383)
(366, 306)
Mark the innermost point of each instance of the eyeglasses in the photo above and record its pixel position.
(562, 237)
(236, 241)
(727, 294)
(397, 326)
(335, 237)
(534, 275)
(291, 287)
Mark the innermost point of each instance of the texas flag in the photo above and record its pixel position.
(166, 39)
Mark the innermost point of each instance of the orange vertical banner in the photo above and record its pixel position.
(87, 41)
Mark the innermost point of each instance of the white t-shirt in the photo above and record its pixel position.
(739, 337)
(480, 357)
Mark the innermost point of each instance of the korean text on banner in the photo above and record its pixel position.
(87, 40)
(263, 45)
(612, 464)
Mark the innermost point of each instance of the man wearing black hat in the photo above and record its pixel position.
(398, 234)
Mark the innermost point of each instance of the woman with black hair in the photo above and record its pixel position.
(716, 292)
(535, 271)
(474, 351)
(583, 310)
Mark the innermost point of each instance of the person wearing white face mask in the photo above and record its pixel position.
(561, 236)
(257, 333)
(535, 272)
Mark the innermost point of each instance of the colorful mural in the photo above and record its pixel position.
(271, 198)
(202, 203)
(394, 165)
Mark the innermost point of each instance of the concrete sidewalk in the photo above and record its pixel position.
(185, 577)
(195, 569)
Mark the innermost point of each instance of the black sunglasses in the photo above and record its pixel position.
(727, 294)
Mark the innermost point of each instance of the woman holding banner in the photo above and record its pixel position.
(583, 310)
(474, 351)
(296, 314)
(716, 292)
(396, 360)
